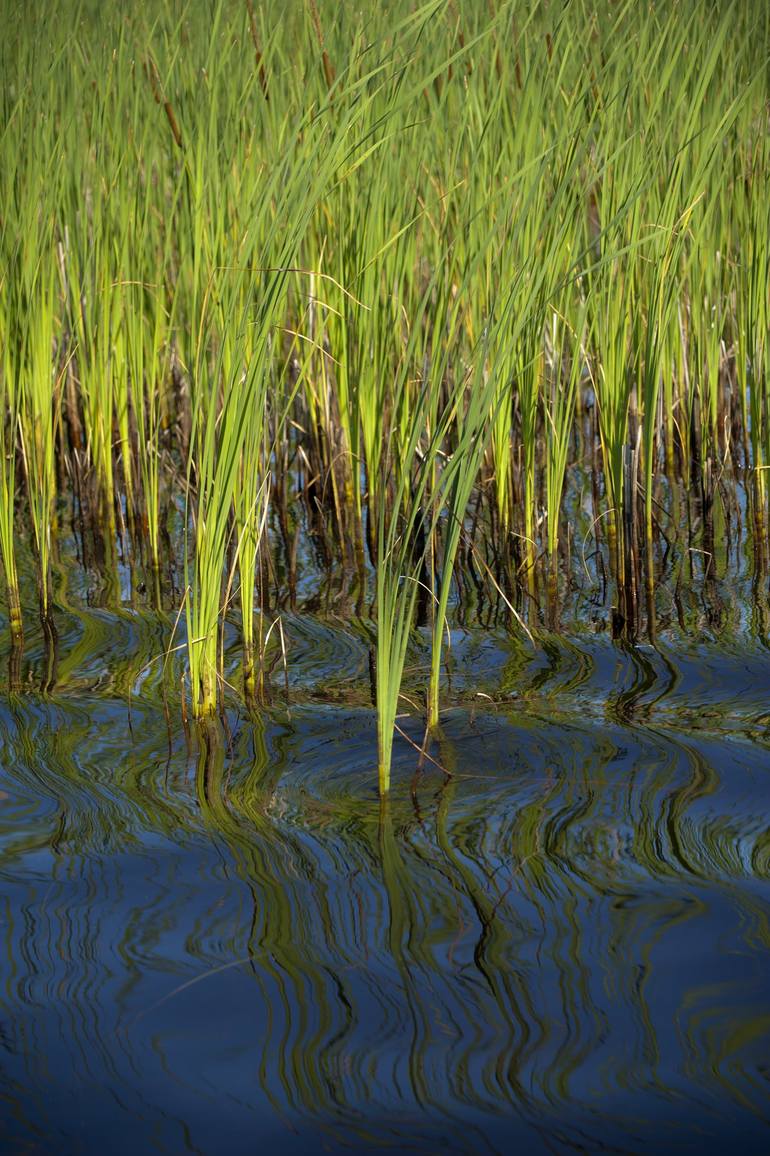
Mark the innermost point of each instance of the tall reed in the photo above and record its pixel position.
(254, 252)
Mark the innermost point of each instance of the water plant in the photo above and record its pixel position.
(372, 286)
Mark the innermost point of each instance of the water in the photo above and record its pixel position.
(560, 945)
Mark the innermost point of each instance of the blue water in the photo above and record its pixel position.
(224, 943)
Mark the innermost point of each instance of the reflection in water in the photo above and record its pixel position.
(561, 945)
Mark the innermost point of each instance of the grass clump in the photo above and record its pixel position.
(368, 274)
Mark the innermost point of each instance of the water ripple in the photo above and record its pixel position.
(560, 941)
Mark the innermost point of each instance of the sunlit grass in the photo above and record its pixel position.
(401, 254)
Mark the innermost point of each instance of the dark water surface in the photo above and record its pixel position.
(561, 946)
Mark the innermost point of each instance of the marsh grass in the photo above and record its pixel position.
(384, 277)
(9, 395)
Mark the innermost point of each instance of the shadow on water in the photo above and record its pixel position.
(226, 943)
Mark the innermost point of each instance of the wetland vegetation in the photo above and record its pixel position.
(381, 278)
(384, 435)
